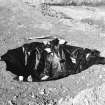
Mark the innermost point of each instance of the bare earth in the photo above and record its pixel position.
(81, 26)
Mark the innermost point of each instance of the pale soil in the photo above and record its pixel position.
(18, 21)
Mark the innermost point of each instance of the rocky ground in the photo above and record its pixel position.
(80, 25)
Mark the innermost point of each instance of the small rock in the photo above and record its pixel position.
(10, 103)
(20, 78)
(62, 41)
(60, 101)
(30, 78)
(45, 77)
(42, 91)
(32, 95)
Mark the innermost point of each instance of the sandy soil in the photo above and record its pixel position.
(81, 26)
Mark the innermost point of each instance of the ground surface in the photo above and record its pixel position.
(81, 26)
